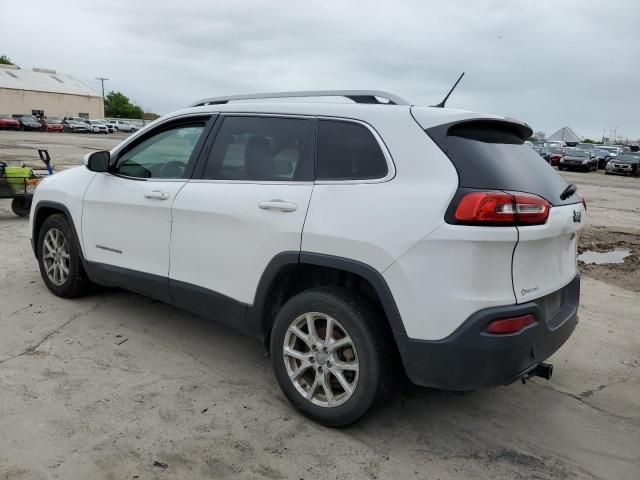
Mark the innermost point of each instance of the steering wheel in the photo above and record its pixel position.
(173, 169)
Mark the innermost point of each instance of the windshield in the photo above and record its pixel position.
(53, 121)
(627, 157)
(556, 150)
(576, 152)
(28, 118)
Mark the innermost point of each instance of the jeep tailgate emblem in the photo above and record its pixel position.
(577, 216)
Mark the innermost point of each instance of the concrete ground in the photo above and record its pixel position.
(118, 386)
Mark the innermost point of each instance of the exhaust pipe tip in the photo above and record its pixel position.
(543, 370)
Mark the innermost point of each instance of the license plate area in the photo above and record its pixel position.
(553, 304)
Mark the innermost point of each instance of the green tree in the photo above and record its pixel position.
(118, 105)
(588, 140)
(4, 60)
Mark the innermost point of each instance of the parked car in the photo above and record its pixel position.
(110, 127)
(7, 122)
(624, 163)
(587, 147)
(613, 151)
(54, 124)
(123, 126)
(555, 154)
(543, 152)
(602, 156)
(98, 127)
(28, 122)
(577, 159)
(349, 274)
(76, 125)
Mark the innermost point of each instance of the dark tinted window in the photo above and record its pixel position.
(348, 151)
(492, 155)
(261, 148)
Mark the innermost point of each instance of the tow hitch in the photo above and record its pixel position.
(543, 370)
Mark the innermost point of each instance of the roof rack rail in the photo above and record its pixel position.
(358, 96)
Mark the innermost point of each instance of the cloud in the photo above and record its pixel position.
(548, 63)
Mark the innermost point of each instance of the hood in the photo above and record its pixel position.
(627, 160)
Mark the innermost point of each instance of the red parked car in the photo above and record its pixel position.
(555, 154)
(54, 124)
(7, 122)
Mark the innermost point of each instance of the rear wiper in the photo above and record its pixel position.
(567, 192)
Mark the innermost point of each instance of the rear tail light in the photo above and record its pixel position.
(510, 325)
(502, 208)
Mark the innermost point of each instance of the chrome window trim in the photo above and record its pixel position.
(252, 182)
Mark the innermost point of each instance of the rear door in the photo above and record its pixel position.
(243, 207)
(491, 155)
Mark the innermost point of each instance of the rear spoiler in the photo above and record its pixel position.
(485, 130)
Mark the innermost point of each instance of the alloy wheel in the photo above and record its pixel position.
(321, 359)
(56, 256)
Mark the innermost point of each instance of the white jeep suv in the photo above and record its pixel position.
(360, 241)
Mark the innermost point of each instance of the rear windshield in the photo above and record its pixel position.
(490, 154)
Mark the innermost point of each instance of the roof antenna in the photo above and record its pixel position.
(441, 104)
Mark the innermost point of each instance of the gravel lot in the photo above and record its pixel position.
(104, 386)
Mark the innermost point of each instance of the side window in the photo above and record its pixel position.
(260, 148)
(163, 155)
(348, 151)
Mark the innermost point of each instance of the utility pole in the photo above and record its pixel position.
(102, 79)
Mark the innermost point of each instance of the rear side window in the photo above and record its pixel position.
(348, 151)
(491, 154)
(261, 148)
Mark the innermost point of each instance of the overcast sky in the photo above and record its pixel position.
(549, 63)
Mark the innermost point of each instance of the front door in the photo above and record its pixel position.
(126, 219)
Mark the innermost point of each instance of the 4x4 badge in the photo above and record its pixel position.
(577, 216)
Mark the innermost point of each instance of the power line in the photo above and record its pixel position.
(102, 79)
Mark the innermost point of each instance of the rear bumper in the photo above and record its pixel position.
(470, 358)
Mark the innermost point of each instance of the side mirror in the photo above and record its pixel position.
(99, 161)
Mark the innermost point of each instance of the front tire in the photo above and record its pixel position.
(59, 258)
(331, 356)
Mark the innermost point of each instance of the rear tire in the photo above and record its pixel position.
(21, 206)
(357, 374)
(59, 258)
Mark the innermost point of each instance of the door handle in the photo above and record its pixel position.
(278, 205)
(156, 195)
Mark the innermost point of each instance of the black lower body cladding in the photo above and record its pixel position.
(470, 358)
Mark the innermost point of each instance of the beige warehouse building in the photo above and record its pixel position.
(32, 91)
